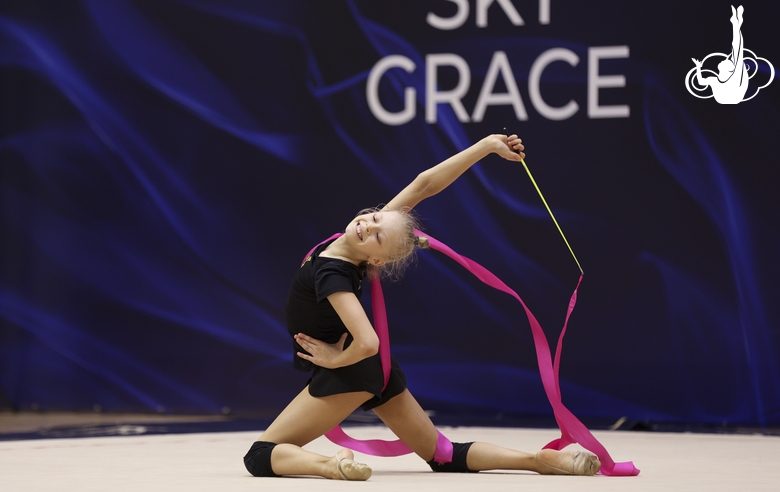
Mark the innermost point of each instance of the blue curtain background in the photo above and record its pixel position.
(166, 164)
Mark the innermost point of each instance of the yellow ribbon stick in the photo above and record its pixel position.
(551, 215)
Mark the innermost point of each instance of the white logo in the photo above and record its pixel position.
(730, 84)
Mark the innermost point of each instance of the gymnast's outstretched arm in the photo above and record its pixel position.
(437, 178)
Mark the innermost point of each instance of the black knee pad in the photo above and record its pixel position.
(258, 459)
(458, 463)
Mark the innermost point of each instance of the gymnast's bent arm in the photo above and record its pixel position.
(364, 345)
(437, 178)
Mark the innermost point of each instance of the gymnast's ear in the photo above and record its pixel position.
(376, 262)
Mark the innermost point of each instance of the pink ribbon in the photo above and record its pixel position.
(572, 430)
(378, 447)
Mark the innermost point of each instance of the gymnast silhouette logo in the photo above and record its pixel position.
(730, 84)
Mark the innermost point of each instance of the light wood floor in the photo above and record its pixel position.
(212, 462)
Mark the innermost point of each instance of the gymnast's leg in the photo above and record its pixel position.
(737, 42)
(278, 450)
(404, 416)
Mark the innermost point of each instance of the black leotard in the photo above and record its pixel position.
(308, 311)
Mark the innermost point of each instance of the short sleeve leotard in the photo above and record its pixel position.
(308, 311)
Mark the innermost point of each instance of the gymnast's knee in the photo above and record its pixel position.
(258, 459)
(458, 464)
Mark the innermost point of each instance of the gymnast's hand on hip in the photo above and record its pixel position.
(322, 354)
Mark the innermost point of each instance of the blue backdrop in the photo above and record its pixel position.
(166, 164)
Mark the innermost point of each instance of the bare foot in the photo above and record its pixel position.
(346, 468)
(552, 462)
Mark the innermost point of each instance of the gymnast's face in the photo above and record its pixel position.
(375, 235)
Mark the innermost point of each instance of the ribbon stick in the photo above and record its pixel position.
(549, 211)
(528, 171)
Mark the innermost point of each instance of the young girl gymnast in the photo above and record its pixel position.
(334, 339)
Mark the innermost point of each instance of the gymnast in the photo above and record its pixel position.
(334, 339)
(731, 84)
